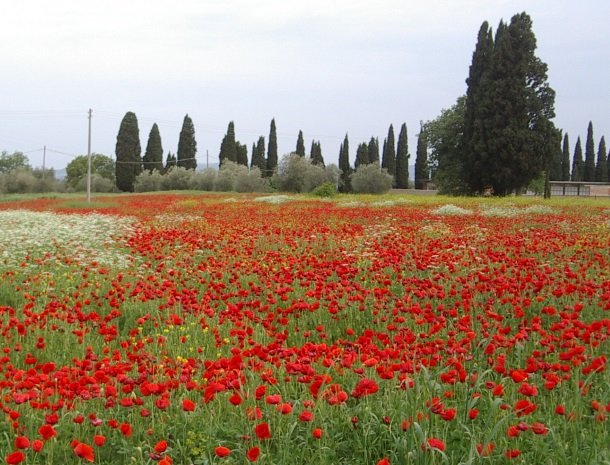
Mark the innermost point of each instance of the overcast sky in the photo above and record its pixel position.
(326, 67)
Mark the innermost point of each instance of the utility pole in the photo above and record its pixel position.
(89, 160)
(207, 159)
(44, 154)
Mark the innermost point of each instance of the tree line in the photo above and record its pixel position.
(130, 164)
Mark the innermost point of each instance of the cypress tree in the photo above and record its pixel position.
(508, 133)
(374, 150)
(316, 154)
(128, 162)
(345, 184)
(601, 168)
(258, 155)
(577, 162)
(589, 169)
(228, 147)
(153, 157)
(565, 159)
(388, 160)
(422, 172)
(300, 145)
(362, 155)
(242, 153)
(556, 172)
(187, 145)
(402, 159)
(169, 162)
(474, 150)
(272, 150)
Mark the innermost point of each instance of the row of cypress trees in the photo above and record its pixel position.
(591, 168)
(129, 164)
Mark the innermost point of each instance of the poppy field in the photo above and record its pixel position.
(208, 329)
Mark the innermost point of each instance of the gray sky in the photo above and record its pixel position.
(324, 67)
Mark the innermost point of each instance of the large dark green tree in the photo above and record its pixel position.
(316, 154)
(388, 158)
(344, 165)
(556, 172)
(242, 153)
(374, 150)
(402, 159)
(422, 172)
(578, 165)
(589, 170)
(565, 158)
(12, 161)
(362, 155)
(509, 137)
(128, 161)
(300, 151)
(153, 156)
(228, 147)
(187, 145)
(101, 165)
(170, 162)
(272, 150)
(601, 167)
(258, 155)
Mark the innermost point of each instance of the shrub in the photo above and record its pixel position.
(204, 180)
(326, 189)
(227, 176)
(298, 174)
(251, 181)
(369, 179)
(177, 178)
(148, 181)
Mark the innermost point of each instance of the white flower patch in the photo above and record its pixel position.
(27, 236)
(274, 199)
(451, 210)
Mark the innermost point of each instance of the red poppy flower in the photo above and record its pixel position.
(317, 433)
(262, 431)
(512, 453)
(384, 461)
(21, 442)
(253, 454)
(37, 445)
(126, 429)
(15, 457)
(188, 405)
(222, 451)
(273, 399)
(99, 440)
(84, 451)
(306, 415)
(473, 413)
(160, 447)
(434, 443)
(47, 432)
(365, 387)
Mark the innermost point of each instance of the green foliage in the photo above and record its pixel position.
(344, 166)
(565, 159)
(509, 138)
(388, 160)
(370, 179)
(101, 165)
(242, 153)
(402, 159)
(98, 184)
(300, 150)
(128, 162)
(153, 157)
(298, 174)
(601, 168)
(362, 155)
(327, 189)
(258, 155)
(227, 176)
(177, 178)
(272, 150)
(148, 181)
(445, 142)
(578, 165)
(187, 145)
(374, 150)
(228, 147)
(589, 168)
(204, 180)
(316, 154)
(170, 161)
(12, 161)
(422, 172)
(556, 171)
